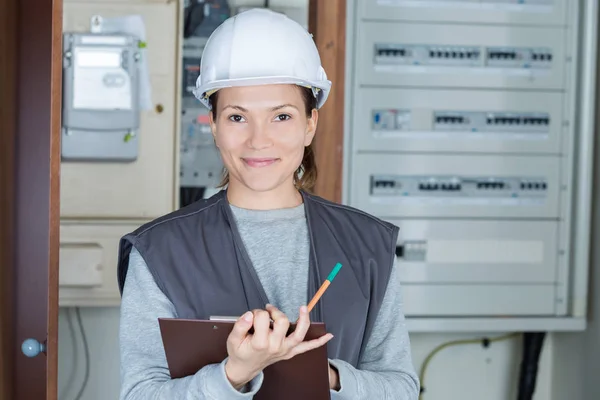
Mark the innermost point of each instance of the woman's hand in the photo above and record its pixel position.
(249, 353)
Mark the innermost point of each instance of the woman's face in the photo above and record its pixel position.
(261, 132)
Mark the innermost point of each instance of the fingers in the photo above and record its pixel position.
(301, 328)
(262, 328)
(241, 327)
(310, 345)
(281, 325)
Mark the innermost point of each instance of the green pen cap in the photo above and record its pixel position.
(333, 273)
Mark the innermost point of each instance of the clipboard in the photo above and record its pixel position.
(191, 344)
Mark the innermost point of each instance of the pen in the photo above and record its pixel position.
(324, 286)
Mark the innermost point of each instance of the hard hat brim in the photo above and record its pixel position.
(202, 92)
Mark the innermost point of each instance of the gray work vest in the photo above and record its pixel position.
(198, 260)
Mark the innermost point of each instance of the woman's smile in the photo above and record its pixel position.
(261, 162)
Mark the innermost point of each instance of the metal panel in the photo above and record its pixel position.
(439, 55)
(510, 12)
(418, 120)
(476, 251)
(421, 186)
(478, 300)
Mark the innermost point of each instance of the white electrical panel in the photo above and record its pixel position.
(421, 186)
(469, 124)
(532, 12)
(444, 55)
(419, 120)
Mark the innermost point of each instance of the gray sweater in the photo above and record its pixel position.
(277, 243)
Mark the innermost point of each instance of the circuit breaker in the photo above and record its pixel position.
(462, 128)
(481, 186)
(469, 121)
(427, 55)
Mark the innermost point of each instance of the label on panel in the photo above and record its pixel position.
(424, 186)
(430, 55)
(450, 120)
(532, 12)
(477, 251)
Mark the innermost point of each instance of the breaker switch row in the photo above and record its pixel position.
(533, 185)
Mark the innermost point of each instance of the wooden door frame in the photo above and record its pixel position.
(8, 89)
(30, 124)
(327, 23)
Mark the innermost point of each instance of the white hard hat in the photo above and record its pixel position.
(260, 47)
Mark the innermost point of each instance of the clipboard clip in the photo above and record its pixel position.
(221, 318)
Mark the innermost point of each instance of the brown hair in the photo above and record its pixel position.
(306, 174)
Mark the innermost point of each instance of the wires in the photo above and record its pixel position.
(485, 342)
(67, 388)
(532, 348)
(87, 355)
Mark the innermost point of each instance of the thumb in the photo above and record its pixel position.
(241, 327)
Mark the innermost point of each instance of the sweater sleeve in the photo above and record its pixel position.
(144, 370)
(386, 370)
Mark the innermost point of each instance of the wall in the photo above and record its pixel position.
(467, 372)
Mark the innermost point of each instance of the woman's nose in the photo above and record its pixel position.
(259, 138)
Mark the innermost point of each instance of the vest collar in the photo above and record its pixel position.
(314, 275)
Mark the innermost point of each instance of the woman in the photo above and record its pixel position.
(262, 247)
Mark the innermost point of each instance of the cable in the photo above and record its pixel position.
(532, 348)
(68, 386)
(485, 342)
(87, 355)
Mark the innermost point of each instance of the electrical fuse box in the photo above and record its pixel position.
(438, 55)
(464, 122)
(409, 120)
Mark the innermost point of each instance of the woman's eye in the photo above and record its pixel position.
(236, 118)
(282, 117)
